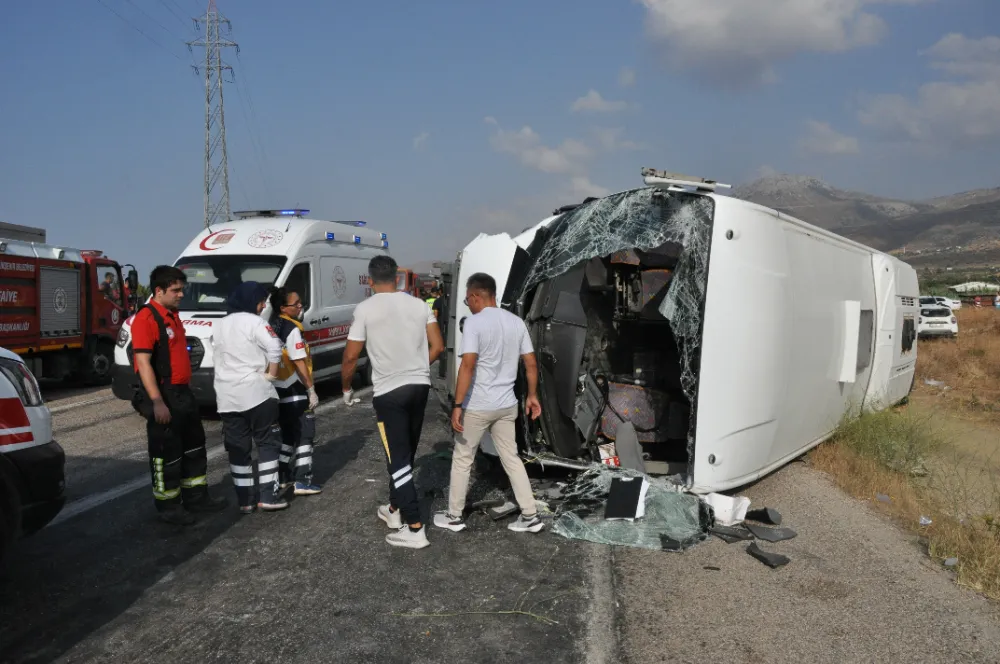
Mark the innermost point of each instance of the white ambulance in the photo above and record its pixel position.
(326, 262)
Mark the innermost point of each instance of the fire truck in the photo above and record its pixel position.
(61, 308)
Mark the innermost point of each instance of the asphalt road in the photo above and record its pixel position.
(317, 583)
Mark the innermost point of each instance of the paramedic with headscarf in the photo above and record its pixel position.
(297, 398)
(247, 356)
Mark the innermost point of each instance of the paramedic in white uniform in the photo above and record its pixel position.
(247, 353)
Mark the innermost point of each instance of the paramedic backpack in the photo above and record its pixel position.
(160, 358)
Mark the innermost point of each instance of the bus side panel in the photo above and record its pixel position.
(785, 354)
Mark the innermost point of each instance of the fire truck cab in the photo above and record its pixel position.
(62, 308)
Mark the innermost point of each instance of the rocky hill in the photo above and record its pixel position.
(970, 220)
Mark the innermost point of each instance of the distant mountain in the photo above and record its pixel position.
(969, 219)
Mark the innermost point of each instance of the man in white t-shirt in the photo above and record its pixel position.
(494, 341)
(403, 340)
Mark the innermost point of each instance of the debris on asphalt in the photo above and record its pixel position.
(486, 504)
(772, 560)
(765, 515)
(503, 511)
(626, 499)
(728, 510)
(729, 535)
(925, 521)
(679, 517)
(770, 534)
(951, 562)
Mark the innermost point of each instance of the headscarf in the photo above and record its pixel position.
(247, 296)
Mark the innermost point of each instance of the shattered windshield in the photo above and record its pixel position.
(643, 219)
(210, 279)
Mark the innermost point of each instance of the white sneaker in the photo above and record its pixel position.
(526, 524)
(449, 522)
(407, 538)
(392, 519)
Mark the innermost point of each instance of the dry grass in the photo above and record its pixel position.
(892, 458)
(968, 366)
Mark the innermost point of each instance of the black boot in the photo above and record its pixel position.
(206, 503)
(176, 516)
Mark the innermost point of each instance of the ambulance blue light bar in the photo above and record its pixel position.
(357, 239)
(245, 214)
(384, 236)
(329, 236)
(385, 244)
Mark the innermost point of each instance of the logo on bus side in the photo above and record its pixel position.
(265, 239)
(114, 316)
(339, 282)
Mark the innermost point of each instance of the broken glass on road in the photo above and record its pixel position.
(681, 517)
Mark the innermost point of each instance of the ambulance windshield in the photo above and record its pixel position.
(210, 279)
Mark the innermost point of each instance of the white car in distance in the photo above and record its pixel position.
(936, 320)
(954, 305)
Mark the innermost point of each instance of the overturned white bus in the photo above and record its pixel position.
(710, 338)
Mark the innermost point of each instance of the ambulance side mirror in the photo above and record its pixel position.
(133, 280)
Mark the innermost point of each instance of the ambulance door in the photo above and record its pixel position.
(341, 283)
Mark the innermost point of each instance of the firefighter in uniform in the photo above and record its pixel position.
(177, 458)
(297, 398)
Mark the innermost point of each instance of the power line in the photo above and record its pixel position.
(254, 139)
(146, 14)
(176, 15)
(139, 30)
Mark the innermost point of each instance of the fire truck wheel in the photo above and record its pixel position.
(100, 364)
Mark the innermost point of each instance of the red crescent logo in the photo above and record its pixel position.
(208, 237)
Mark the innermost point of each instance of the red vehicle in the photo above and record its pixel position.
(61, 308)
(406, 281)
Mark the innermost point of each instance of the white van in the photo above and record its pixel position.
(730, 337)
(326, 262)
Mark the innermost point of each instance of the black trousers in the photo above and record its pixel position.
(298, 429)
(400, 415)
(177, 458)
(239, 432)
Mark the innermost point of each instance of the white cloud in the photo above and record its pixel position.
(527, 146)
(957, 55)
(490, 120)
(420, 140)
(580, 187)
(740, 42)
(958, 113)
(593, 102)
(821, 138)
(626, 77)
(610, 139)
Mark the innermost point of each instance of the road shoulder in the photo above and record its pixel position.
(858, 589)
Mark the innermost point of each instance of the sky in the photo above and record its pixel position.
(438, 120)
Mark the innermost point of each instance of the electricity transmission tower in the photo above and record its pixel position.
(217, 208)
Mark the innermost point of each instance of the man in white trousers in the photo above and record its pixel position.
(493, 342)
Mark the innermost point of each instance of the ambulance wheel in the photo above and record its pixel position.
(100, 364)
(10, 513)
